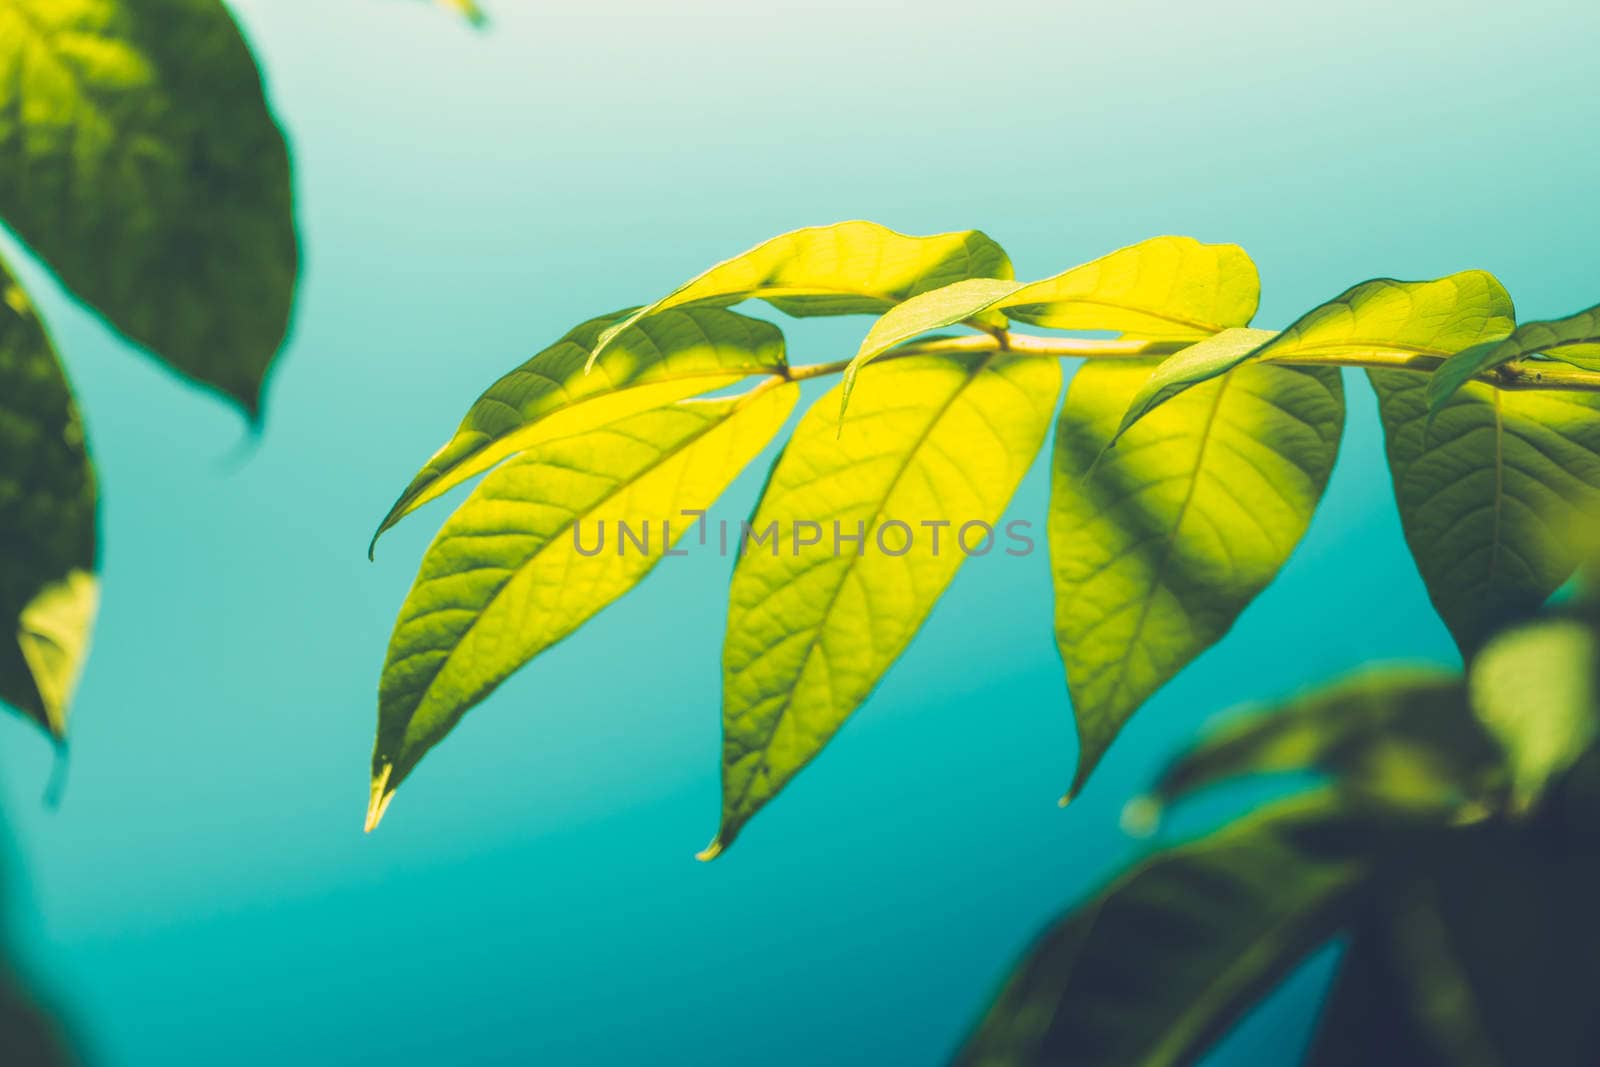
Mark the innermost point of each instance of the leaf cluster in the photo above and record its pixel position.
(1189, 456)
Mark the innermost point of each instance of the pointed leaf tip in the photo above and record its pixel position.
(381, 796)
(710, 852)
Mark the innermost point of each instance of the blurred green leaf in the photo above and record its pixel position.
(1400, 736)
(47, 521)
(514, 570)
(813, 627)
(1377, 318)
(671, 356)
(1159, 544)
(850, 268)
(1153, 969)
(1489, 494)
(144, 168)
(1574, 339)
(1535, 688)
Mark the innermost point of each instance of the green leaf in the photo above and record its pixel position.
(671, 356)
(1535, 689)
(1166, 287)
(1488, 494)
(1153, 969)
(1574, 339)
(1189, 367)
(144, 167)
(850, 268)
(468, 10)
(1158, 546)
(813, 627)
(1401, 736)
(1380, 318)
(47, 521)
(1365, 1017)
(538, 549)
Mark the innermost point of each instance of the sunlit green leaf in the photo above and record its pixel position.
(850, 268)
(812, 627)
(1381, 318)
(1488, 494)
(144, 167)
(1535, 687)
(1166, 287)
(1159, 546)
(670, 356)
(48, 592)
(538, 549)
(1157, 966)
(1402, 736)
(1574, 339)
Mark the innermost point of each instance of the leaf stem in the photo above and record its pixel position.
(1523, 374)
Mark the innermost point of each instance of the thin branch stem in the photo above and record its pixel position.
(1520, 375)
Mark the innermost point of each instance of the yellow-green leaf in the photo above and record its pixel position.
(1175, 531)
(1537, 688)
(671, 356)
(48, 593)
(1574, 339)
(1380, 318)
(143, 166)
(521, 564)
(1489, 493)
(850, 268)
(1166, 287)
(813, 627)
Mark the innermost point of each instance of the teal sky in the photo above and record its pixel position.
(203, 893)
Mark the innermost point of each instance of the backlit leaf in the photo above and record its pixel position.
(850, 268)
(1401, 736)
(1488, 494)
(671, 356)
(48, 592)
(1381, 318)
(1534, 687)
(144, 167)
(1574, 339)
(538, 549)
(1156, 967)
(1166, 287)
(813, 627)
(1159, 546)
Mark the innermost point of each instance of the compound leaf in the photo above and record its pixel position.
(1157, 966)
(814, 624)
(145, 169)
(1159, 544)
(1374, 319)
(1488, 494)
(849, 268)
(48, 592)
(671, 356)
(518, 567)
(1574, 339)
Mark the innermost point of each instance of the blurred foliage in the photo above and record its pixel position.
(145, 171)
(1451, 848)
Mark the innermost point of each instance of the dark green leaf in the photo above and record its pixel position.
(48, 591)
(1574, 339)
(143, 166)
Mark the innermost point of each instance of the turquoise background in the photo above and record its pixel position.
(203, 893)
